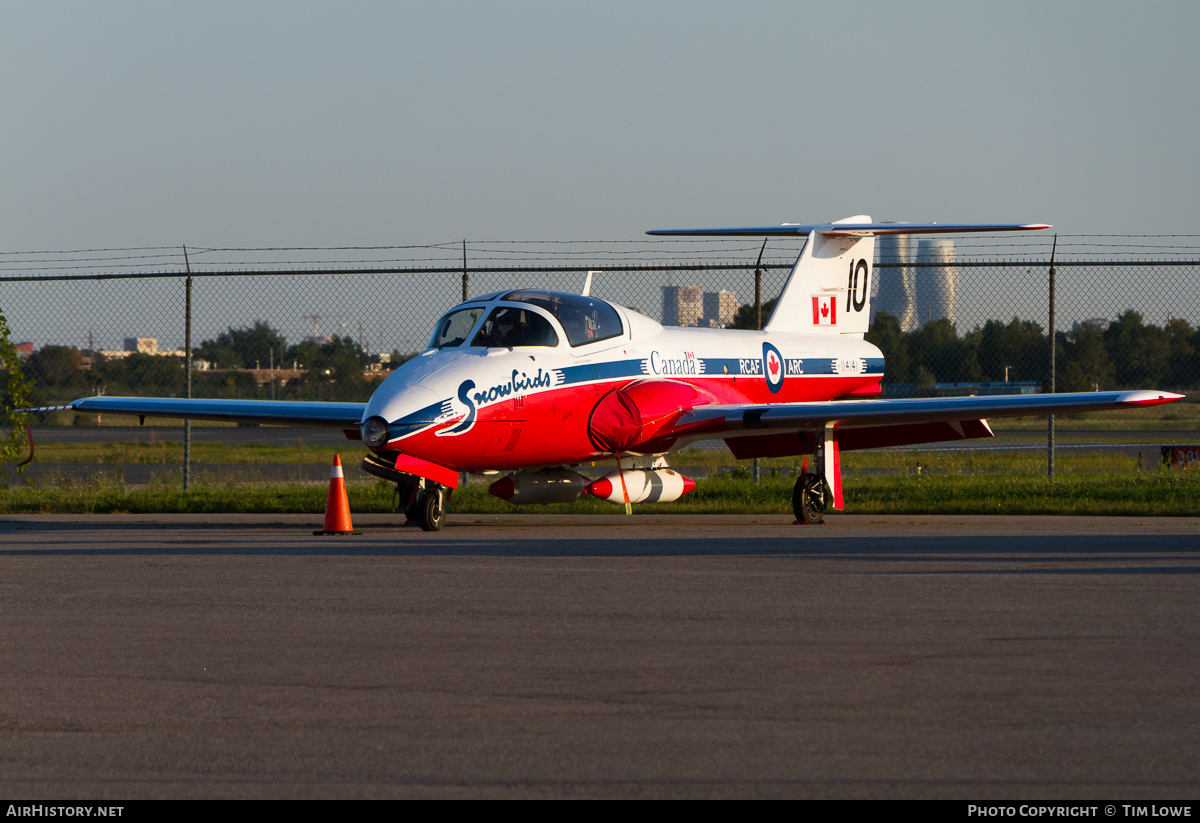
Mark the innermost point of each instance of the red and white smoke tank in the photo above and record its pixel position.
(644, 486)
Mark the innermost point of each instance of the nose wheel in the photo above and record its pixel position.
(431, 511)
(810, 498)
(428, 509)
(421, 505)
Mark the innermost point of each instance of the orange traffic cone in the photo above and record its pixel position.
(337, 506)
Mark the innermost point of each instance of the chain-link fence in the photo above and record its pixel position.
(945, 326)
(1117, 325)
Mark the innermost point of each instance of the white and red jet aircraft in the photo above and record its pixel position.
(538, 382)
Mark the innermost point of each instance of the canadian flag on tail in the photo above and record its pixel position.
(824, 310)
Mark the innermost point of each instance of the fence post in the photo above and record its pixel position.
(187, 366)
(1053, 346)
(758, 323)
(464, 269)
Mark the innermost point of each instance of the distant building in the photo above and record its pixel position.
(682, 305)
(894, 290)
(936, 281)
(24, 350)
(138, 345)
(144, 345)
(915, 291)
(719, 308)
(689, 306)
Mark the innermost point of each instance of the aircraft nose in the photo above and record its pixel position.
(393, 403)
(399, 415)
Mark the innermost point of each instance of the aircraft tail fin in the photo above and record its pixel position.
(828, 290)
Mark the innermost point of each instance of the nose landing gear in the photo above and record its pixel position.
(429, 509)
(423, 501)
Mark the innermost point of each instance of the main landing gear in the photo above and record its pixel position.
(810, 498)
(820, 490)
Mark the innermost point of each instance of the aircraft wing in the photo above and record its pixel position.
(764, 430)
(278, 412)
(856, 413)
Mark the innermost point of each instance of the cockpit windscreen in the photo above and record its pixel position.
(515, 327)
(452, 330)
(585, 319)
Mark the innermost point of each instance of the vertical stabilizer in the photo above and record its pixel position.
(829, 288)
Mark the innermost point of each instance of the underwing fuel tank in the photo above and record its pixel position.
(643, 485)
(545, 486)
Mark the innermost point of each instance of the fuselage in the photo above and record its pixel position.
(510, 380)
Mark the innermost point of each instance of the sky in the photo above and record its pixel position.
(282, 124)
(301, 123)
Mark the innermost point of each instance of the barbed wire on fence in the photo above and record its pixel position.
(541, 252)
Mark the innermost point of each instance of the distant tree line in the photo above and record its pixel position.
(329, 371)
(1129, 353)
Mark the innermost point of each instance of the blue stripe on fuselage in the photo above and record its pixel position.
(420, 419)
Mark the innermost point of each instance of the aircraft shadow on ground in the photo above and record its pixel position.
(1011, 554)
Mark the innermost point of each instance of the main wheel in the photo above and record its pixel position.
(430, 512)
(810, 497)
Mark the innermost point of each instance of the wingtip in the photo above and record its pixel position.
(1150, 398)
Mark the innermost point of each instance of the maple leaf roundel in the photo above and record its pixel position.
(773, 368)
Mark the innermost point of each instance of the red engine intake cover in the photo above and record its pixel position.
(635, 414)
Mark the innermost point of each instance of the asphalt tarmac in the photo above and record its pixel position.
(234, 656)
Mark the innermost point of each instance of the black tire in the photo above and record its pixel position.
(810, 498)
(430, 514)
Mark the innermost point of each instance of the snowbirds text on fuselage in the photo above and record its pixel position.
(537, 383)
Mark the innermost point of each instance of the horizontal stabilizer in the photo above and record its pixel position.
(849, 229)
(828, 290)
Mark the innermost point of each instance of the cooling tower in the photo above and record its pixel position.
(894, 290)
(936, 281)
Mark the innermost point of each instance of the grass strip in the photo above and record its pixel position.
(1151, 493)
(1032, 461)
